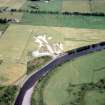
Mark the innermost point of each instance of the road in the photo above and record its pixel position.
(32, 80)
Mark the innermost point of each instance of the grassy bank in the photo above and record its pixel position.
(37, 63)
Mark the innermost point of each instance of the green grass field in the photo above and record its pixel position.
(61, 20)
(81, 70)
(64, 21)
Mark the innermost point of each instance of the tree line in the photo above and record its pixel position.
(4, 21)
(57, 12)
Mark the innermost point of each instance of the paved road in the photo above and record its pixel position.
(27, 97)
(47, 68)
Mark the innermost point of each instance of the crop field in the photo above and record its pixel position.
(12, 3)
(76, 5)
(11, 47)
(15, 15)
(83, 5)
(98, 6)
(67, 5)
(18, 40)
(3, 27)
(53, 5)
(93, 22)
(85, 69)
(70, 37)
(64, 21)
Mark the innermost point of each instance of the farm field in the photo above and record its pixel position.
(93, 22)
(98, 6)
(64, 21)
(15, 15)
(76, 5)
(94, 95)
(85, 69)
(67, 5)
(12, 3)
(18, 40)
(54, 5)
(11, 47)
(77, 82)
(83, 6)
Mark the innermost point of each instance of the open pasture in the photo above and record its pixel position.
(94, 97)
(64, 21)
(78, 71)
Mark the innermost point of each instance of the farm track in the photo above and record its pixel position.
(32, 80)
